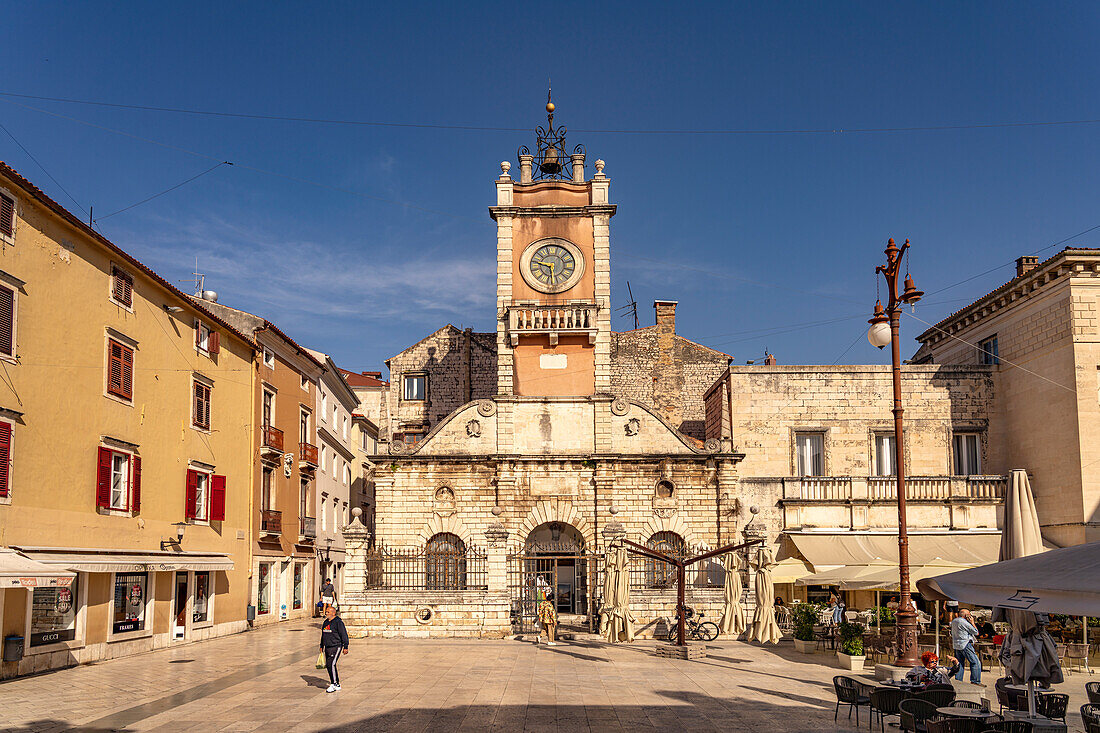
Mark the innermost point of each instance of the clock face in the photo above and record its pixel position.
(552, 265)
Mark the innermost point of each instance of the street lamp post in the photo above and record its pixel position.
(879, 335)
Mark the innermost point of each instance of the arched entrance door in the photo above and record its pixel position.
(555, 554)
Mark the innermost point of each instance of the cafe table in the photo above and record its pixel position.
(952, 711)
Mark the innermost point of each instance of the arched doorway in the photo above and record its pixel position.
(553, 553)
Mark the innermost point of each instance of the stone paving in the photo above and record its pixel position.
(265, 680)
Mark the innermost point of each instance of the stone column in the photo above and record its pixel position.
(578, 167)
(356, 539)
(496, 543)
(526, 163)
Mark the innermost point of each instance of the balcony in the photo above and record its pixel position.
(576, 318)
(308, 527)
(885, 488)
(307, 456)
(271, 522)
(271, 442)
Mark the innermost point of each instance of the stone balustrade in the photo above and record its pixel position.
(884, 488)
(553, 320)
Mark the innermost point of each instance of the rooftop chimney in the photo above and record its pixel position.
(769, 360)
(666, 315)
(1026, 264)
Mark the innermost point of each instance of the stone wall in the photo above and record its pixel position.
(471, 613)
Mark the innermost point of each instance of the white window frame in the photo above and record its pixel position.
(111, 286)
(962, 462)
(345, 427)
(798, 462)
(81, 621)
(890, 455)
(196, 379)
(268, 391)
(202, 343)
(202, 494)
(272, 588)
(347, 474)
(147, 618)
(130, 343)
(324, 457)
(324, 512)
(269, 358)
(324, 403)
(14, 285)
(128, 488)
(304, 382)
(305, 412)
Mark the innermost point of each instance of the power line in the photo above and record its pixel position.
(485, 128)
(157, 195)
(42, 167)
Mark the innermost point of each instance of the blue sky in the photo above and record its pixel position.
(767, 240)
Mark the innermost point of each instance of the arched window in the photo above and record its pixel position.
(661, 574)
(445, 562)
(665, 490)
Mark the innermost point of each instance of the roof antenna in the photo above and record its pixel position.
(631, 307)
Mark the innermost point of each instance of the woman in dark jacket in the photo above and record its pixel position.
(334, 642)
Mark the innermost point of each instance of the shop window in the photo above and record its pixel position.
(53, 615)
(967, 449)
(415, 386)
(810, 454)
(263, 589)
(298, 585)
(885, 455)
(118, 481)
(120, 370)
(122, 286)
(201, 612)
(131, 594)
(445, 561)
(988, 351)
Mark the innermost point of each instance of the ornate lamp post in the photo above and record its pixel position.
(884, 330)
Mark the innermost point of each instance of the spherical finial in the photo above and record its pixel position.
(613, 510)
(505, 166)
(550, 107)
(497, 511)
(356, 512)
(599, 166)
(754, 510)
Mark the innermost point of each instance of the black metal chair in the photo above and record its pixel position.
(849, 692)
(885, 701)
(1090, 717)
(915, 714)
(1093, 691)
(954, 725)
(1053, 705)
(965, 704)
(1008, 726)
(938, 695)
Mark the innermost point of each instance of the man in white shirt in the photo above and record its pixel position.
(964, 635)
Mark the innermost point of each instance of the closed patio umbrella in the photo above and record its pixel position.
(608, 592)
(1028, 653)
(733, 621)
(764, 627)
(619, 624)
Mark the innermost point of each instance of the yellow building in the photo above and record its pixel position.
(126, 448)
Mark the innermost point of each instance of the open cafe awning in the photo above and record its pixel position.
(790, 570)
(1057, 581)
(844, 575)
(888, 579)
(122, 561)
(19, 571)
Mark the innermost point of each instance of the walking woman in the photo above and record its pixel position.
(334, 642)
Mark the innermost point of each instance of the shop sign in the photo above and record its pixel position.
(52, 637)
(130, 624)
(42, 582)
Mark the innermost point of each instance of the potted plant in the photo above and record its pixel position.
(886, 616)
(850, 652)
(803, 617)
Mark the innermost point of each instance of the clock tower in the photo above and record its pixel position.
(553, 272)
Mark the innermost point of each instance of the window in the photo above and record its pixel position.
(5, 459)
(305, 382)
(885, 455)
(269, 358)
(324, 404)
(324, 457)
(53, 614)
(303, 427)
(415, 386)
(810, 454)
(660, 574)
(988, 353)
(200, 417)
(131, 595)
(324, 512)
(968, 454)
(344, 514)
(206, 339)
(7, 322)
(298, 584)
(411, 439)
(269, 408)
(205, 496)
(303, 503)
(201, 612)
(7, 216)
(118, 481)
(120, 370)
(347, 474)
(263, 589)
(267, 494)
(335, 418)
(445, 561)
(345, 428)
(122, 286)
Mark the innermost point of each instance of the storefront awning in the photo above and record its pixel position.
(19, 571)
(851, 548)
(114, 561)
(790, 570)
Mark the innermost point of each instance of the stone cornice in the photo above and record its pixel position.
(553, 212)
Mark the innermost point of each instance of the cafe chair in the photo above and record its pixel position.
(1008, 726)
(965, 704)
(885, 701)
(1052, 705)
(939, 695)
(1093, 691)
(955, 725)
(1090, 718)
(1077, 655)
(849, 692)
(915, 714)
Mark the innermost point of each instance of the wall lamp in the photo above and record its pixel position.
(173, 308)
(167, 544)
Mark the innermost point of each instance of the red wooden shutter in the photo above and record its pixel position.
(123, 287)
(192, 493)
(7, 321)
(217, 498)
(103, 479)
(5, 458)
(198, 334)
(127, 373)
(135, 485)
(213, 343)
(114, 367)
(7, 216)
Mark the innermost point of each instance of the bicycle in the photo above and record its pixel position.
(699, 630)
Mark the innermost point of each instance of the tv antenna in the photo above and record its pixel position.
(631, 308)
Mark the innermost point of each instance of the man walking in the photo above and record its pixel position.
(334, 642)
(963, 637)
(328, 595)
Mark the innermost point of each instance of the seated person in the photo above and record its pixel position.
(778, 601)
(930, 672)
(986, 631)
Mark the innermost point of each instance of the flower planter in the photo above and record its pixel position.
(849, 662)
(806, 647)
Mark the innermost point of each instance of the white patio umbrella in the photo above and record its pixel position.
(1028, 653)
(764, 627)
(733, 621)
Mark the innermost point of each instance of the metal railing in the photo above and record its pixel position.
(271, 521)
(420, 569)
(272, 438)
(646, 573)
(307, 453)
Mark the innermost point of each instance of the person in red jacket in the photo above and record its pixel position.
(334, 642)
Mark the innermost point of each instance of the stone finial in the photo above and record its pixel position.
(599, 167)
(505, 166)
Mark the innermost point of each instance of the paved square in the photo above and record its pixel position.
(266, 680)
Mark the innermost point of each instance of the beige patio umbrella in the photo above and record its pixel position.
(607, 600)
(733, 621)
(764, 627)
(1028, 653)
(618, 623)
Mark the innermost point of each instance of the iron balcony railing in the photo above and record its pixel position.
(272, 438)
(424, 569)
(307, 454)
(271, 521)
